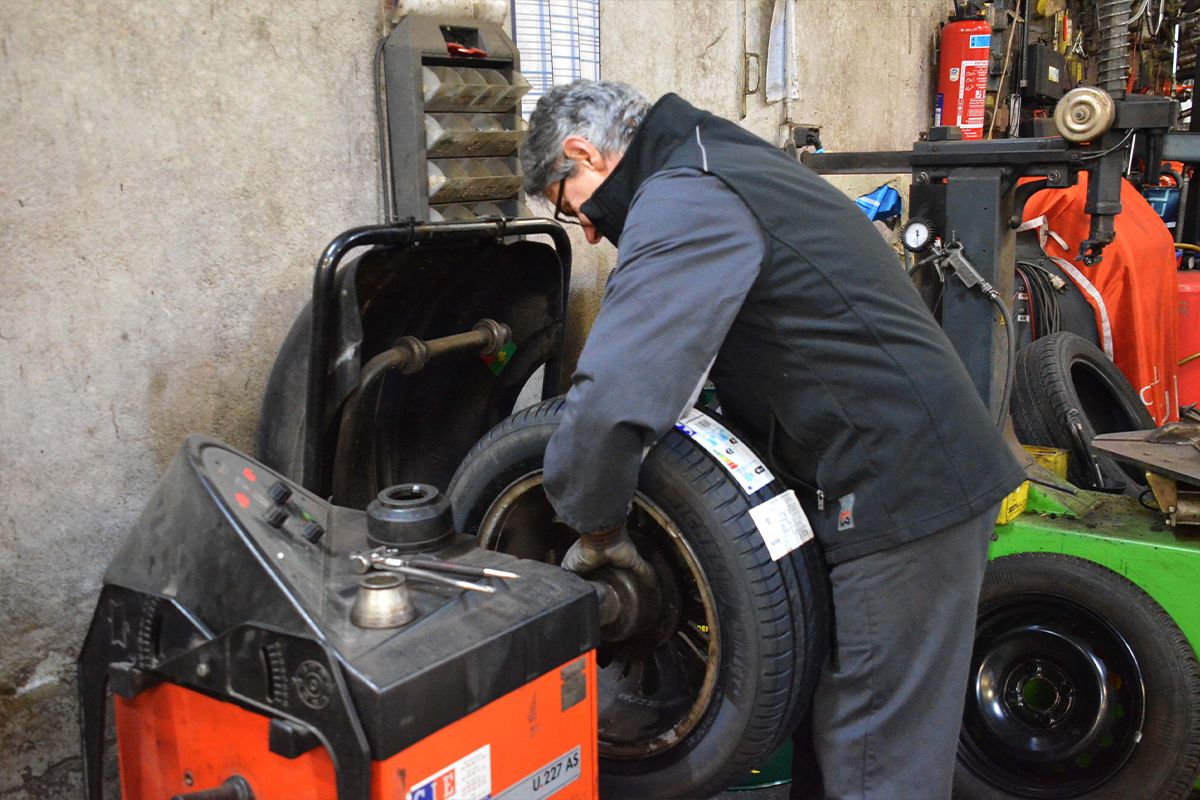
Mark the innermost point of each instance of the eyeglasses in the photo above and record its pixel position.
(559, 216)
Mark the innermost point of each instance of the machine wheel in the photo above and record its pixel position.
(1067, 392)
(723, 668)
(1081, 687)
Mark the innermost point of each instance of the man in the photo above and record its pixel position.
(737, 262)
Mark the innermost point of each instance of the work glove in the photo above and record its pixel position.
(611, 547)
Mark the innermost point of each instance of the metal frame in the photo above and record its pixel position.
(325, 302)
(969, 191)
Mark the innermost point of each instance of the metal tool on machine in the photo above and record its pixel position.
(390, 557)
(379, 559)
(246, 657)
(382, 602)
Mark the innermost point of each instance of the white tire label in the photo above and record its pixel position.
(782, 524)
(737, 459)
(469, 778)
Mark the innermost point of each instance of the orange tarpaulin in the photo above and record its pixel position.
(1134, 294)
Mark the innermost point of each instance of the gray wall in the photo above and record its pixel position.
(168, 175)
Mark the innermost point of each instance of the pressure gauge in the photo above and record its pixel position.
(917, 235)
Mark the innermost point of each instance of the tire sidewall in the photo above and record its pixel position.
(1046, 399)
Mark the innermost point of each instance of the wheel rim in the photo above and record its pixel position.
(654, 687)
(1056, 700)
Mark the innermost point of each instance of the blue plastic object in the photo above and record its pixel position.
(881, 204)
(1165, 202)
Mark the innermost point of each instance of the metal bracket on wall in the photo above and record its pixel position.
(748, 56)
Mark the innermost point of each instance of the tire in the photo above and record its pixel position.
(1052, 631)
(1066, 392)
(770, 617)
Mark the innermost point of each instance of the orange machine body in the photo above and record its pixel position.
(538, 742)
(1189, 337)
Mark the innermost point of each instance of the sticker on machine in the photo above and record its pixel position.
(782, 524)
(737, 459)
(547, 780)
(469, 778)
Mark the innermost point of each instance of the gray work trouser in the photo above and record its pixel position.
(889, 702)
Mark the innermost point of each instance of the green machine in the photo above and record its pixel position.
(1084, 675)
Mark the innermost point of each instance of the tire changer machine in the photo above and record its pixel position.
(260, 642)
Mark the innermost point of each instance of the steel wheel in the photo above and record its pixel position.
(656, 679)
(1056, 701)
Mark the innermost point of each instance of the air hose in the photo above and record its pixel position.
(950, 257)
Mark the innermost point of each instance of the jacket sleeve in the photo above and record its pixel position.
(689, 253)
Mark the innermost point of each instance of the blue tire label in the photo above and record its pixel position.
(980, 40)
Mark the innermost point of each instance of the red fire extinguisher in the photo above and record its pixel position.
(963, 51)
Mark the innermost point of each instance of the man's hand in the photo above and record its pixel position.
(611, 547)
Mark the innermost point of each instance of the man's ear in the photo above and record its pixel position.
(581, 151)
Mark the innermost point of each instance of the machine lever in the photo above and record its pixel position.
(375, 559)
(436, 565)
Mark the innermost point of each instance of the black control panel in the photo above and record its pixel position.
(255, 494)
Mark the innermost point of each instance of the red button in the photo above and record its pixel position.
(249, 475)
(242, 500)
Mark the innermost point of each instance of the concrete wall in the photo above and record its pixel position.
(168, 175)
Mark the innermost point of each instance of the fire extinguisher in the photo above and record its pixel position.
(963, 56)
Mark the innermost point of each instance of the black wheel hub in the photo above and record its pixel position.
(1056, 699)
(660, 659)
(1039, 693)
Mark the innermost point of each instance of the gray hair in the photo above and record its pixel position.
(606, 113)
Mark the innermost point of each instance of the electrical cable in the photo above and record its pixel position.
(1040, 321)
(1158, 26)
(1124, 140)
(1011, 367)
(1141, 10)
(1030, 311)
(1044, 286)
(1142, 500)
(387, 208)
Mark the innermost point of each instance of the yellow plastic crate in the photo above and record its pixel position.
(1014, 504)
(1052, 458)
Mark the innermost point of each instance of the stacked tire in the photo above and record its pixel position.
(1066, 392)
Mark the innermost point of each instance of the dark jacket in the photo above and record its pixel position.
(824, 353)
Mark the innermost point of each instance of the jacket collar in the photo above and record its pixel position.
(668, 123)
